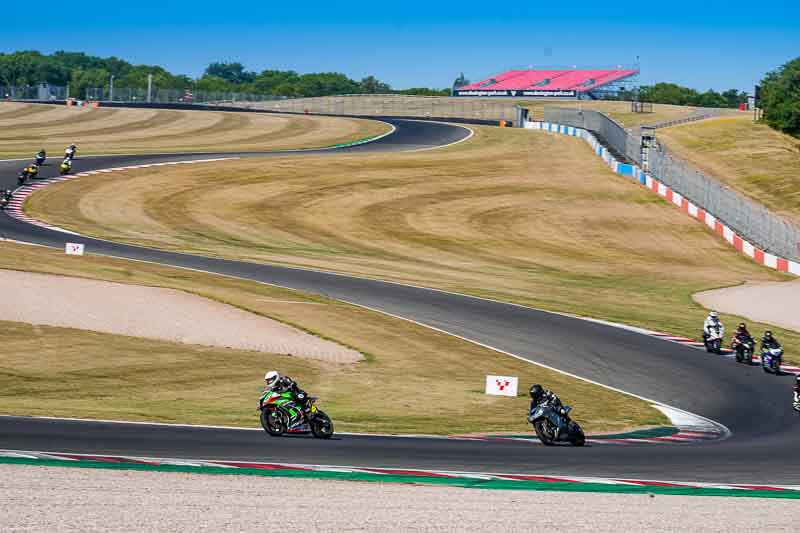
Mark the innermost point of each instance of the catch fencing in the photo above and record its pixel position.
(41, 92)
(749, 219)
(433, 107)
(172, 96)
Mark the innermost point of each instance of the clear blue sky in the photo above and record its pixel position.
(701, 43)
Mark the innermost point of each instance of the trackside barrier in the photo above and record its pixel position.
(649, 182)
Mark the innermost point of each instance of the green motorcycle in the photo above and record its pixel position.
(280, 414)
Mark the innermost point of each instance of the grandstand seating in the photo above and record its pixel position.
(581, 81)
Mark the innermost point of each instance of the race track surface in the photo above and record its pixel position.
(754, 406)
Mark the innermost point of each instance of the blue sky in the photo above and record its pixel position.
(702, 43)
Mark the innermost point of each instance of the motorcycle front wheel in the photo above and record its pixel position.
(544, 433)
(272, 422)
(321, 426)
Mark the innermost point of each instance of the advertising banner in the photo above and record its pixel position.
(519, 93)
(74, 249)
(502, 385)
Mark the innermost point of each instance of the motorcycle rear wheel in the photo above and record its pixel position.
(272, 423)
(576, 436)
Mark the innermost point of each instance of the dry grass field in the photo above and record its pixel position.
(619, 111)
(26, 128)
(751, 158)
(412, 380)
(513, 215)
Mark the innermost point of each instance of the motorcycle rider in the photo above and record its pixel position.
(281, 384)
(69, 153)
(711, 324)
(41, 156)
(6, 197)
(29, 172)
(67, 164)
(740, 336)
(796, 399)
(769, 342)
(539, 395)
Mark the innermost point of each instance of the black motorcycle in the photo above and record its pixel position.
(547, 418)
(744, 350)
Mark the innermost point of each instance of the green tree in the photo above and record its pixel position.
(231, 72)
(372, 85)
(780, 98)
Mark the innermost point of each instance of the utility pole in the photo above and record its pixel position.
(149, 88)
(111, 91)
(66, 96)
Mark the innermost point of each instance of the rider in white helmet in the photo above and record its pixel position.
(712, 323)
(280, 384)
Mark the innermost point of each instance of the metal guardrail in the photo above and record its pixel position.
(752, 221)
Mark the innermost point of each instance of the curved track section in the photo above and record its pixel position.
(754, 406)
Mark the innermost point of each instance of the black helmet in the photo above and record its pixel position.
(536, 391)
(768, 335)
(742, 326)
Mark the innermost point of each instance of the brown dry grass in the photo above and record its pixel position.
(619, 111)
(512, 215)
(26, 128)
(751, 158)
(413, 380)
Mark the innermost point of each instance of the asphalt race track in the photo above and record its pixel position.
(756, 407)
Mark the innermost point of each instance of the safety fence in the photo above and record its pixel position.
(610, 132)
(749, 219)
(400, 106)
(172, 96)
(41, 92)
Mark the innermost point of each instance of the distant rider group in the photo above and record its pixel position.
(743, 346)
(31, 171)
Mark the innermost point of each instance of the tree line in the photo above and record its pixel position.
(780, 98)
(672, 93)
(81, 71)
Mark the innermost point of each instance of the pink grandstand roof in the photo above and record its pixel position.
(577, 80)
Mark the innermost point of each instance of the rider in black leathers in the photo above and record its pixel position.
(740, 336)
(540, 395)
(769, 342)
(6, 197)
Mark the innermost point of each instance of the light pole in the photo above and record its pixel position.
(111, 90)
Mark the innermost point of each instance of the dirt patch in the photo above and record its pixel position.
(774, 303)
(153, 313)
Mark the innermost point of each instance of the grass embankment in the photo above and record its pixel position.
(751, 158)
(619, 111)
(511, 215)
(413, 379)
(26, 128)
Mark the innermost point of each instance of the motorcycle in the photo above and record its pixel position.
(796, 402)
(279, 409)
(713, 339)
(64, 168)
(4, 200)
(546, 420)
(771, 359)
(744, 351)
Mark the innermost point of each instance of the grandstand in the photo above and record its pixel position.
(551, 83)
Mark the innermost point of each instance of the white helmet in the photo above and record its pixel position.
(271, 378)
(713, 315)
